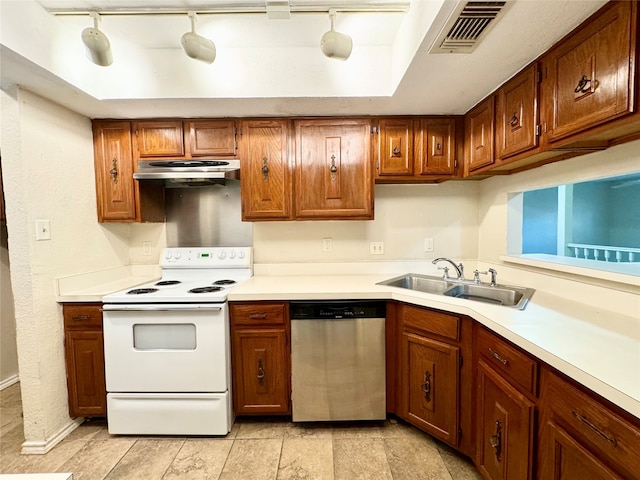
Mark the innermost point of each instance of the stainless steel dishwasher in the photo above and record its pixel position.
(338, 360)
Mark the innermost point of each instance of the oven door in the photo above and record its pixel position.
(166, 348)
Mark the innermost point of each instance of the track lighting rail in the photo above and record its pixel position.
(236, 9)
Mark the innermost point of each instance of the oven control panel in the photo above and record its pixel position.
(207, 257)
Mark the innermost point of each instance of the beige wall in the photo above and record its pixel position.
(47, 159)
(404, 216)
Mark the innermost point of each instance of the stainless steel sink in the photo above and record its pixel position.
(421, 283)
(499, 295)
(506, 295)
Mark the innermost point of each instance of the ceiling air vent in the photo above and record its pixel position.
(466, 26)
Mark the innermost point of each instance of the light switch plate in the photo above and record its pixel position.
(377, 248)
(428, 244)
(43, 230)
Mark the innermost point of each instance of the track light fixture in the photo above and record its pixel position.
(98, 48)
(196, 46)
(335, 44)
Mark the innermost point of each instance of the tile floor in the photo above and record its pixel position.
(267, 449)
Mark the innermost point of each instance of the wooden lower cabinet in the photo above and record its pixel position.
(581, 437)
(430, 384)
(505, 428)
(433, 390)
(260, 382)
(260, 358)
(84, 357)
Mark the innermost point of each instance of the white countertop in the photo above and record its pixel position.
(598, 348)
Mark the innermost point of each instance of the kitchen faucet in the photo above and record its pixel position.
(459, 268)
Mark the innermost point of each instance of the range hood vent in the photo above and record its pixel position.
(466, 26)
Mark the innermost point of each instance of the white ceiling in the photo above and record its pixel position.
(270, 67)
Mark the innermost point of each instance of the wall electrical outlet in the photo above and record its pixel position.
(377, 248)
(43, 230)
(327, 244)
(428, 244)
(146, 248)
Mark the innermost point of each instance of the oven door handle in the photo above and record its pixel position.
(159, 308)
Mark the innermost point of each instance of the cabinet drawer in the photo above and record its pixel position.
(82, 315)
(508, 360)
(258, 313)
(433, 322)
(614, 440)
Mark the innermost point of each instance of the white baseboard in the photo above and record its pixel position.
(42, 447)
(7, 382)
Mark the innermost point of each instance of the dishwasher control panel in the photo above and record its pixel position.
(337, 309)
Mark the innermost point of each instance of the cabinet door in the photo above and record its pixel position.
(159, 139)
(266, 175)
(504, 429)
(85, 373)
(395, 147)
(212, 138)
(565, 459)
(333, 169)
(478, 125)
(436, 147)
(589, 77)
(517, 114)
(260, 371)
(115, 188)
(430, 386)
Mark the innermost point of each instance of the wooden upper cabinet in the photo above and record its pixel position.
(115, 187)
(517, 114)
(266, 174)
(159, 138)
(436, 146)
(212, 138)
(479, 123)
(395, 147)
(588, 78)
(333, 169)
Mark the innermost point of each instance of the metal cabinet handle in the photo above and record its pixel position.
(582, 84)
(426, 386)
(265, 169)
(593, 427)
(495, 440)
(333, 169)
(260, 375)
(259, 316)
(114, 170)
(81, 317)
(497, 356)
(514, 120)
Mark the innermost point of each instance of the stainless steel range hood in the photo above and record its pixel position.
(180, 173)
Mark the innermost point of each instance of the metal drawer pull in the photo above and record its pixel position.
(584, 420)
(259, 316)
(514, 120)
(81, 317)
(497, 356)
(260, 374)
(426, 386)
(114, 170)
(582, 83)
(496, 440)
(265, 169)
(333, 169)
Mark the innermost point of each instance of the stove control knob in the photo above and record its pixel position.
(241, 254)
(232, 254)
(222, 255)
(167, 254)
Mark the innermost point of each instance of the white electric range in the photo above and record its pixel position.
(167, 345)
